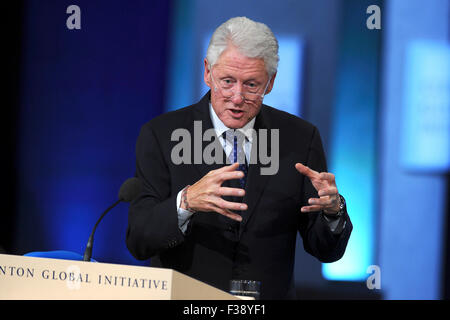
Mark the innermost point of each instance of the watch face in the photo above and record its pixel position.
(342, 202)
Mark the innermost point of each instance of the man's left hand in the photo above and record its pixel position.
(325, 184)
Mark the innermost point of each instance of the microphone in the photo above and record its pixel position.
(129, 191)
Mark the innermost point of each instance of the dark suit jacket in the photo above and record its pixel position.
(216, 249)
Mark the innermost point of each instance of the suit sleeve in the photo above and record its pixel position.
(318, 239)
(152, 219)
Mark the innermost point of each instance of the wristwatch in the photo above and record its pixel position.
(341, 209)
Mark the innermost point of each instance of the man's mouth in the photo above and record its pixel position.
(236, 112)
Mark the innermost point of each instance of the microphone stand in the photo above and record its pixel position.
(88, 252)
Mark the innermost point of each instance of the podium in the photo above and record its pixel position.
(30, 278)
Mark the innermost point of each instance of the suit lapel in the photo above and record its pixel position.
(256, 182)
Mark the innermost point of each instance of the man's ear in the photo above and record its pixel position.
(270, 86)
(206, 74)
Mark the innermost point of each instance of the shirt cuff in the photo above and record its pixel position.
(184, 216)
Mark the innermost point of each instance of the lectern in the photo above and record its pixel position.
(42, 278)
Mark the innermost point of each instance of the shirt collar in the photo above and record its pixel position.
(220, 127)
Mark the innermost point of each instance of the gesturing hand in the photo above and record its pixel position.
(325, 185)
(206, 194)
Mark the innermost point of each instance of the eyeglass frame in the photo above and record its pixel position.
(217, 87)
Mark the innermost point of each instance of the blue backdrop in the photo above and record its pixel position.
(84, 95)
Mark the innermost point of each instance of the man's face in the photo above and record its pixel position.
(235, 112)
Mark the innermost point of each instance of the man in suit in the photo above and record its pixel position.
(216, 221)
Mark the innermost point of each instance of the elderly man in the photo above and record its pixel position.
(219, 221)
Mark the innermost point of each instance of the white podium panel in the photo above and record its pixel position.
(44, 279)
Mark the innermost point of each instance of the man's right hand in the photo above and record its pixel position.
(206, 194)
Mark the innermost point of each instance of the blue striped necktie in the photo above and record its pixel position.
(238, 153)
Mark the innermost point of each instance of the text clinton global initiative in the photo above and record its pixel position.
(79, 277)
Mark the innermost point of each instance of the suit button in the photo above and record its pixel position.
(172, 243)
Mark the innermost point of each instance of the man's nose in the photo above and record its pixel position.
(237, 98)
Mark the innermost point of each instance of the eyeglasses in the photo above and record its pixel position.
(251, 90)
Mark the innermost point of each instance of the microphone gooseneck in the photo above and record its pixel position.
(129, 191)
(88, 252)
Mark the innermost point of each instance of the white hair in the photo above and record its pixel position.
(252, 39)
